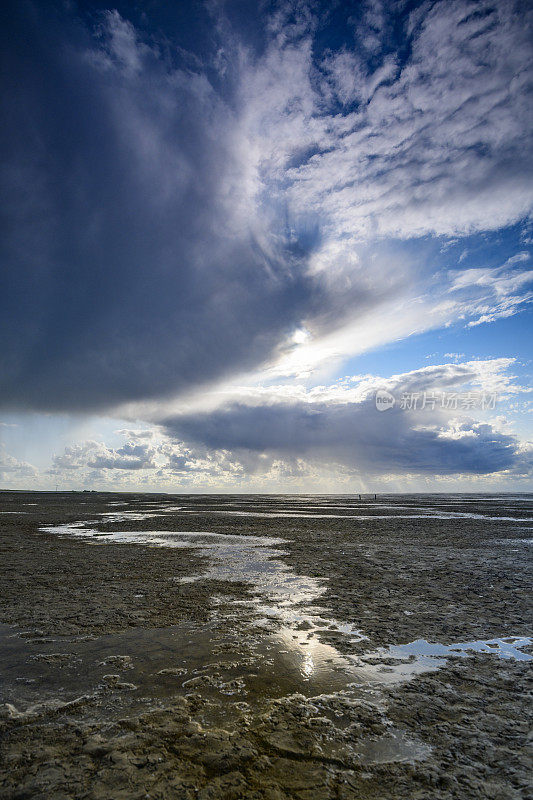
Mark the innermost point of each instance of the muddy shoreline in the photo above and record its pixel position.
(132, 670)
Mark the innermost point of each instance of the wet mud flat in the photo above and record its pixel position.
(265, 647)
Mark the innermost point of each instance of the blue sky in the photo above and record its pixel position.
(498, 339)
(228, 225)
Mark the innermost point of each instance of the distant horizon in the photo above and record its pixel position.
(364, 495)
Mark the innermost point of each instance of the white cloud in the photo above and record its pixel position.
(13, 470)
(97, 455)
(502, 283)
(436, 145)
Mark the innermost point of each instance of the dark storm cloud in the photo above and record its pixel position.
(342, 426)
(353, 435)
(172, 217)
(130, 268)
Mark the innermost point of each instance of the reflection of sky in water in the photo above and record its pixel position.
(504, 648)
(248, 559)
(285, 608)
(455, 515)
(124, 516)
(421, 656)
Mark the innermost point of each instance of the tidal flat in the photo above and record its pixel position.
(266, 647)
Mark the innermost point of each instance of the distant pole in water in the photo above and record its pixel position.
(375, 497)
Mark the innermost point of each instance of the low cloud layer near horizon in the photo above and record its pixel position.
(342, 425)
(247, 194)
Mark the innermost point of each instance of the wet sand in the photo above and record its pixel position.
(265, 647)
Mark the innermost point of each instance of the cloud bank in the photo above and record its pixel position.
(341, 426)
(447, 428)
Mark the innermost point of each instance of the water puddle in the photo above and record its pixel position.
(504, 648)
(277, 644)
(286, 514)
(396, 747)
(285, 607)
(135, 516)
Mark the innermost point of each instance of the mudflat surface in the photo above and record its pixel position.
(265, 647)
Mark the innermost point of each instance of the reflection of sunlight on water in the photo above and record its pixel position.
(312, 658)
(308, 666)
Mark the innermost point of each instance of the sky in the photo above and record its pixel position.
(267, 246)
